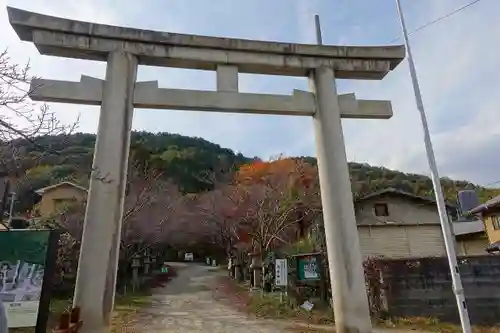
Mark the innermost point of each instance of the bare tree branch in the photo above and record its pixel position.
(20, 118)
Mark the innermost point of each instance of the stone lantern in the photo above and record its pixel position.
(230, 266)
(136, 261)
(236, 268)
(256, 270)
(153, 261)
(136, 264)
(147, 265)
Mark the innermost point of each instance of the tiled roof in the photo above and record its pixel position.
(485, 207)
(48, 188)
(392, 190)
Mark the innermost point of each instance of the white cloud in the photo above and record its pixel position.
(59, 68)
(455, 61)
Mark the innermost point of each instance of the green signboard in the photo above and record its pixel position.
(23, 269)
(308, 267)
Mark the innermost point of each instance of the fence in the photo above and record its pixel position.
(422, 287)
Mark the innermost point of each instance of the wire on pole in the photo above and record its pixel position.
(439, 19)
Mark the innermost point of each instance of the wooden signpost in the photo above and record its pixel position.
(281, 276)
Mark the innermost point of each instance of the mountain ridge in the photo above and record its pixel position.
(186, 160)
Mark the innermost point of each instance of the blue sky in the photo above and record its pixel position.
(458, 62)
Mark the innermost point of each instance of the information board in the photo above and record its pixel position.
(308, 268)
(24, 257)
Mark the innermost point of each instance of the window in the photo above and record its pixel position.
(495, 219)
(62, 204)
(381, 209)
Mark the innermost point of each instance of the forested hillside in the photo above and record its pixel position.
(366, 178)
(185, 160)
(188, 162)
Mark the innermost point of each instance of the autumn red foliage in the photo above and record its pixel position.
(268, 204)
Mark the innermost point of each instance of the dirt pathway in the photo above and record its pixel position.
(186, 304)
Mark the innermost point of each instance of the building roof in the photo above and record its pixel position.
(485, 207)
(49, 188)
(459, 228)
(391, 190)
(467, 227)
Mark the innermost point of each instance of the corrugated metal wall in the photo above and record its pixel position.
(426, 241)
(387, 241)
(398, 241)
(472, 247)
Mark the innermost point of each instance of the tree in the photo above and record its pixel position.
(220, 212)
(277, 217)
(20, 117)
(151, 203)
(271, 202)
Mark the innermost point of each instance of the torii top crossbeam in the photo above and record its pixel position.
(84, 40)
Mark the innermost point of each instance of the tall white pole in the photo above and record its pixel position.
(345, 261)
(443, 215)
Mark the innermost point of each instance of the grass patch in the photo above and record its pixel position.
(431, 325)
(126, 306)
(270, 306)
(266, 306)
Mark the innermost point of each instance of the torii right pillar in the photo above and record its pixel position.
(345, 262)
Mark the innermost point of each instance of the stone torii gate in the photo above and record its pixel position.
(125, 48)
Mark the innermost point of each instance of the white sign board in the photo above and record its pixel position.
(281, 273)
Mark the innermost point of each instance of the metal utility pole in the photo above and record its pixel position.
(4, 192)
(11, 209)
(443, 214)
(317, 25)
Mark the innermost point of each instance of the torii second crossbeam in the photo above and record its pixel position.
(147, 95)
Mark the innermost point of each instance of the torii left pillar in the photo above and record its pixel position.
(103, 216)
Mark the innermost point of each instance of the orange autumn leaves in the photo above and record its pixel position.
(265, 205)
(293, 171)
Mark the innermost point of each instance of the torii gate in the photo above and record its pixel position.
(124, 48)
